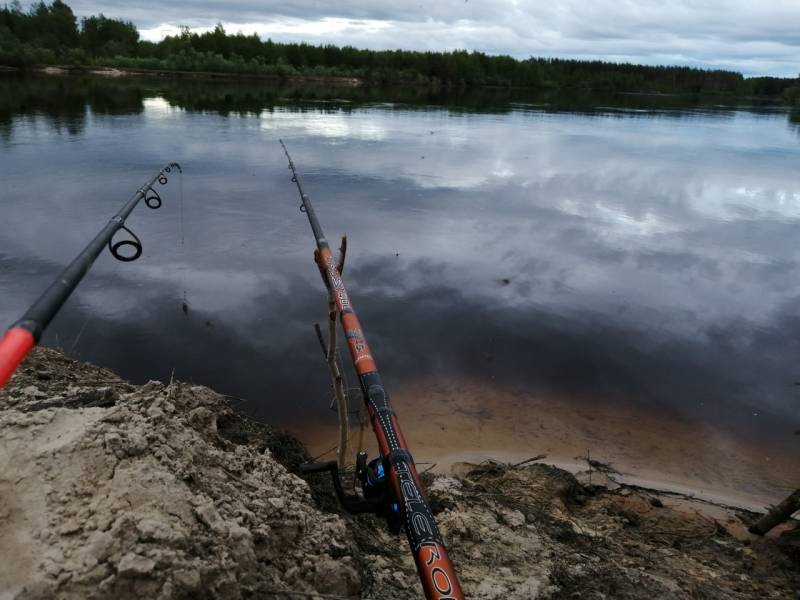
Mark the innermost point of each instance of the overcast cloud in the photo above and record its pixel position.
(756, 38)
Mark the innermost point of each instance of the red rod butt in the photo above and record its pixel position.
(438, 576)
(14, 346)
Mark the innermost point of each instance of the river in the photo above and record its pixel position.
(534, 272)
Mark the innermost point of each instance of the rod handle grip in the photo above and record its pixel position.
(14, 347)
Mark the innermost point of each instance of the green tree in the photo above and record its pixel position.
(109, 37)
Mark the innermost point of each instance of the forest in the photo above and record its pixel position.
(51, 34)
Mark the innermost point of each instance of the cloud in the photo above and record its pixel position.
(752, 37)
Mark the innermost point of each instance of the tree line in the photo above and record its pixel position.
(51, 34)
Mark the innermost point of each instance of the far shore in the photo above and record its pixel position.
(347, 82)
(125, 71)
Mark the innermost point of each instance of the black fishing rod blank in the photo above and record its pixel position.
(23, 335)
(404, 496)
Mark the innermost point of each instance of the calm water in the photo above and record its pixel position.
(623, 250)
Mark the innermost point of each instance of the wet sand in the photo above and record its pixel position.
(447, 421)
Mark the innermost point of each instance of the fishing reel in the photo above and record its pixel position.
(371, 477)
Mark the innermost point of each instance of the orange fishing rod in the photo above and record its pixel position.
(404, 494)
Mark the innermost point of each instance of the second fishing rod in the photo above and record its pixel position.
(23, 335)
(435, 569)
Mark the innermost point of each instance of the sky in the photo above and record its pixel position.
(754, 37)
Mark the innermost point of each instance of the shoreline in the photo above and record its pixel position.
(356, 82)
(451, 421)
(653, 482)
(133, 72)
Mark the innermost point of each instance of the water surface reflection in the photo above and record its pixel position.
(640, 253)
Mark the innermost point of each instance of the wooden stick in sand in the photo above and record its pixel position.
(337, 377)
(777, 515)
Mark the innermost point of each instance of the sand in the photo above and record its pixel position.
(112, 491)
(448, 421)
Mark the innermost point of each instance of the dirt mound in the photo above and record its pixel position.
(110, 490)
(594, 543)
(535, 531)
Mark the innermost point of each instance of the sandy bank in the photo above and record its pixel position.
(111, 490)
(447, 421)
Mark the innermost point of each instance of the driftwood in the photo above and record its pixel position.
(777, 515)
(536, 458)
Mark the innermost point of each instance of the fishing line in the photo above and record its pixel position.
(80, 333)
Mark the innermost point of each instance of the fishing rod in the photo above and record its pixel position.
(390, 483)
(23, 335)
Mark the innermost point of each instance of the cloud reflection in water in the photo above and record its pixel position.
(644, 258)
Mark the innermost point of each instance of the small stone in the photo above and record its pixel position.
(187, 579)
(54, 554)
(114, 444)
(277, 503)
(513, 518)
(32, 392)
(337, 577)
(154, 412)
(95, 574)
(69, 527)
(100, 545)
(208, 515)
(151, 530)
(242, 542)
(52, 568)
(400, 579)
(118, 414)
(203, 420)
(133, 565)
(137, 444)
(100, 396)
(490, 522)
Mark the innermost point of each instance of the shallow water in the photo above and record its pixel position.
(631, 252)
